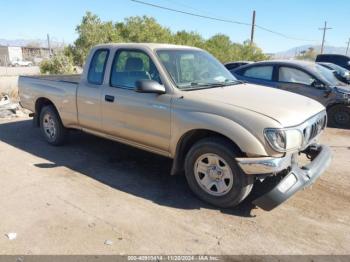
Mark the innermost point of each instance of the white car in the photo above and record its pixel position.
(17, 63)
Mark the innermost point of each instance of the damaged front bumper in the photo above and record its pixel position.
(296, 179)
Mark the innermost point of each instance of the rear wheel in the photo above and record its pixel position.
(213, 174)
(51, 126)
(339, 116)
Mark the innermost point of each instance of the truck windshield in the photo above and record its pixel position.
(195, 69)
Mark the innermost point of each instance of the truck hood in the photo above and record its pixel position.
(287, 108)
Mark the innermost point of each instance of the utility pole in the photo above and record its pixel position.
(49, 44)
(347, 48)
(325, 28)
(253, 29)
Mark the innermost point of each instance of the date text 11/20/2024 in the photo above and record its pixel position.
(173, 258)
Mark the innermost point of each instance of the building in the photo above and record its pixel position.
(9, 54)
(35, 54)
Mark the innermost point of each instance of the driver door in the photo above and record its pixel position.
(297, 81)
(139, 118)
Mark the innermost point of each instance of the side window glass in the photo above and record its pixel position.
(130, 66)
(259, 72)
(292, 75)
(97, 67)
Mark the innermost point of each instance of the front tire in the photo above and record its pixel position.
(213, 174)
(51, 126)
(339, 116)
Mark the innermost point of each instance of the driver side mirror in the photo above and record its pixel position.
(318, 84)
(149, 86)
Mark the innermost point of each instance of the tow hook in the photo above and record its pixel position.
(311, 152)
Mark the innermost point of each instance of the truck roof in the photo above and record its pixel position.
(151, 46)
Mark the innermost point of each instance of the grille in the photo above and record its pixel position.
(314, 127)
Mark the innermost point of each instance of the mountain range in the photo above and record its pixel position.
(290, 53)
(29, 42)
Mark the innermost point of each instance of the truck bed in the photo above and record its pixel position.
(60, 90)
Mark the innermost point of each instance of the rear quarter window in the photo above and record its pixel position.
(98, 66)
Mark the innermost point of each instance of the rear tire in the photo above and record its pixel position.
(51, 126)
(339, 116)
(213, 174)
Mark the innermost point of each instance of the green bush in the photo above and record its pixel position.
(60, 63)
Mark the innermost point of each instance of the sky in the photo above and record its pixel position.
(23, 19)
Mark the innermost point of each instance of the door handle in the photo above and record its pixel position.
(109, 98)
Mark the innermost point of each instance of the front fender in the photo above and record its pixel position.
(245, 140)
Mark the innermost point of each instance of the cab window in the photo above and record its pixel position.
(293, 75)
(259, 72)
(129, 66)
(97, 67)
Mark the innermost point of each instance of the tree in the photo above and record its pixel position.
(188, 38)
(143, 29)
(250, 52)
(222, 48)
(92, 31)
(225, 50)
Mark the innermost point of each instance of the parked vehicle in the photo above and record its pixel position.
(233, 65)
(340, 60)
(340, 72)
(180, 102)
(17, 63)
(305, 78)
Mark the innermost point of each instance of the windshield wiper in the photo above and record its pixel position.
(199, 85)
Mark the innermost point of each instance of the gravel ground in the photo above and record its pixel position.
(71, 199)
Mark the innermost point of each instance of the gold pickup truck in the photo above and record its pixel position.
(180, 102)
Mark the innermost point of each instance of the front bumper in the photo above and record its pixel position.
(296, 179)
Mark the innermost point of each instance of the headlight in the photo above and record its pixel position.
(283, 140)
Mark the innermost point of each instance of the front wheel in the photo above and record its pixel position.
(51, 126)
(213, 174)
(339, 116)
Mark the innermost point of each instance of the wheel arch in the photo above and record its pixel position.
(191, 137)
(40, 103)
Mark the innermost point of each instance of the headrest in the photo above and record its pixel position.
(134, 64)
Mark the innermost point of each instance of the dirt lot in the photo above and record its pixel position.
(16, 71)
(69, 200)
